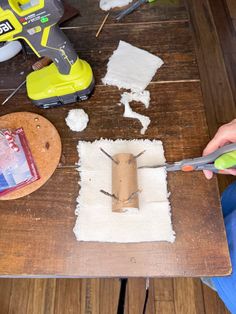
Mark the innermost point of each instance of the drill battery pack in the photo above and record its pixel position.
(58, 101)
(47, 88)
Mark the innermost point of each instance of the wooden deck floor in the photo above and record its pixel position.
(100, 296)
(212, 23)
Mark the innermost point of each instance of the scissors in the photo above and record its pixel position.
(132, 8)
(200, 163)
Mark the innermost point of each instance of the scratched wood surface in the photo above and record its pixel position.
(212, 39)
(36, 231)
(176, 49)
(51, 209)
(227, 35)
(231, 6)
(154, 13)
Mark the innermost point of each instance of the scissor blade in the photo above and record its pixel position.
(152, 167)
(169, 167)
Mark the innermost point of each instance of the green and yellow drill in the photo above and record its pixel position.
(68, 79)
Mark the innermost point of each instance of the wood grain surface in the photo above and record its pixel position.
(215, 61)
(90, 14)
(36, 231)
(231, 6)
(227, 36)
(176, 49)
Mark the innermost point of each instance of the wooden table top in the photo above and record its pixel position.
(36, 231)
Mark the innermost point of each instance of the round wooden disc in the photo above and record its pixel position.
(45, 146)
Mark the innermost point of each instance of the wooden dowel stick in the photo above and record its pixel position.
(102, 25)
(109, 156)
(41, 63)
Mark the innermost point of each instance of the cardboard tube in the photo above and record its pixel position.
(124, 183)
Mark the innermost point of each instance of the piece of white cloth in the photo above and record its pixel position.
(143, 97)
(96, 221)
(131, 68)
(110, 4)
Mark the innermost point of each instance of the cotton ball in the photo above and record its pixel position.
(77, 120)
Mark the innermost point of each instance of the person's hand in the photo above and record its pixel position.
(226, 134)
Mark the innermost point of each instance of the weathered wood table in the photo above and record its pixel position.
(36, 236)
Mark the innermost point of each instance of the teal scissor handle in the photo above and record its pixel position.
(226, 161)
(212, 168)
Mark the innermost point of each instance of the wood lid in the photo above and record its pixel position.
(44, 142)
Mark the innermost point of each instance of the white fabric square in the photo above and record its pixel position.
(131, 68)
(96, 221)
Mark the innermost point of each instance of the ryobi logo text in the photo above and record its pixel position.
(6, 27)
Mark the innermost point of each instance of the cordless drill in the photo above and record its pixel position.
(68, 79)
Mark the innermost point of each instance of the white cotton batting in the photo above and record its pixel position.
(143, 97)
(77, 120)
(109, 4)
(131, 68)
(96, 221)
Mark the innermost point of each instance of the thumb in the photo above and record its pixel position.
(208, 174)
